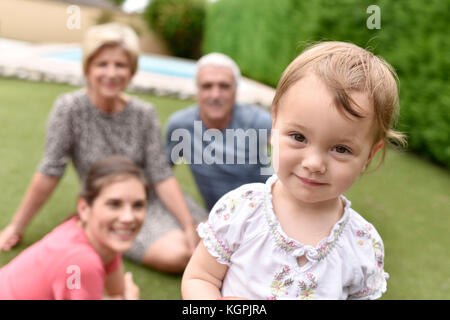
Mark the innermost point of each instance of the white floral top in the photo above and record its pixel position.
(243, 232)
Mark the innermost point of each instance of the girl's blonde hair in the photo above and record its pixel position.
(345, 68)
(110, 34)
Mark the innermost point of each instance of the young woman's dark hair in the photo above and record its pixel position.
(103, 172)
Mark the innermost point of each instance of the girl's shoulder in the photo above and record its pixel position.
(246, 200)
(233, 220)
(365, 252)
(359, 227)
(363, 243)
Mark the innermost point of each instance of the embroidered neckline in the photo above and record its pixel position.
(293, 246)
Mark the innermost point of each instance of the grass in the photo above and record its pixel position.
(407, 199)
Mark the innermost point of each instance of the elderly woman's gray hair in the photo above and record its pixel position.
(221, 60)
(110, 34)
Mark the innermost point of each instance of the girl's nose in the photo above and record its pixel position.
(314, 161)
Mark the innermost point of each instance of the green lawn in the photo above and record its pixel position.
(407, 199)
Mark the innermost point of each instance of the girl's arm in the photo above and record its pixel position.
(203, 276)
(171, 195)
(40, 188)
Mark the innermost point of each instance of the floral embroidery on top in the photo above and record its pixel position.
(227, 207)
(219, 246)
(282, 281)
(229, 204)
(247, 195)
(365, 234)
(280, 284)
(307, 287)
(280, 239)
(374, 282)
(375, 279)
(325, 248)
(290, 245)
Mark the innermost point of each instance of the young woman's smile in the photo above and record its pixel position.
(115, 217)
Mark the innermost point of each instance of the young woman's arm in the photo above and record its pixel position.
(120, 286)
(203, 276)
(115, 282)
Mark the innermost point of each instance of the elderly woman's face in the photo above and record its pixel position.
(109, 72)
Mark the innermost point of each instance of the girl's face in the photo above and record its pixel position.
(115, 217)
(109, 72)
(318, 151)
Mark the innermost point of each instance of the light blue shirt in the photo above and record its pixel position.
(221, 160)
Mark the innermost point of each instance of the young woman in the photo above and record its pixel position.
(81, 258)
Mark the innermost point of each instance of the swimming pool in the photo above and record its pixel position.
(149, 63)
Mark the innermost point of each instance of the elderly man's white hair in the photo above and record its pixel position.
(221, 60)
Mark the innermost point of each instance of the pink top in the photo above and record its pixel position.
(62, 265)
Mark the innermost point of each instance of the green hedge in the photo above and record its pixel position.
(263, 36)
(180, 23)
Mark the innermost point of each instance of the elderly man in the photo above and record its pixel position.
(224, 143)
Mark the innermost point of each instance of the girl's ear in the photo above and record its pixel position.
(375, 149)
(83, 209)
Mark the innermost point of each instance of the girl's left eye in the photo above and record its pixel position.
(341, 149)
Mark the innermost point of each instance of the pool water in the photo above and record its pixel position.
(149, 63)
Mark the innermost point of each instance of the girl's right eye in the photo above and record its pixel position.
(298, 137)
(114, 204)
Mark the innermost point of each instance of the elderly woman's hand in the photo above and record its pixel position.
(9, 237)
(191, 237)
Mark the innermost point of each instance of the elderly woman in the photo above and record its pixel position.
(99, 121)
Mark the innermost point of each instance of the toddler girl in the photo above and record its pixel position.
(296, 236)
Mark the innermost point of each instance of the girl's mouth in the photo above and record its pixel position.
(310, 182)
